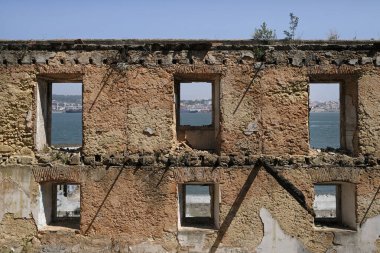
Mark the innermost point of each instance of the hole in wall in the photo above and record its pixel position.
(91, 61)
(76, 61)
(191, 61)
(98, 158)
(174, 61)
(34, 61)
(62, 61)
(19, 61)
(5, 62)
(141, 61)
(105, 61)
(159, 61)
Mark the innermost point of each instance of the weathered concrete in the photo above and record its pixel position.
(280, 241)
(134, 156)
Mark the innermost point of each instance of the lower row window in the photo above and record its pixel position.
(60, 205)
(199, 205)
(334, 205)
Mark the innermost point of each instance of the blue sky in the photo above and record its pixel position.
(213, 19)
(323, 92)
(195, 19)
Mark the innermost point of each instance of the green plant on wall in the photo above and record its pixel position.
(289, 34)
(264, 33)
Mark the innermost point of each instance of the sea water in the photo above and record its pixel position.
(66, 129)
(324, 127)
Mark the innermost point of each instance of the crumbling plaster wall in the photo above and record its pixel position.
(137, 205)
(369, 115)
(16, 121)
(127, 91)
(135, 208)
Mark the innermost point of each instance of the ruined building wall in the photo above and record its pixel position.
(130, 177)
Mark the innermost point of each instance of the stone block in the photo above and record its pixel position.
(89, 160)
(41, 57)
(209, 160)
(297, 58)
(10, 57)
(353, 61)
(146, 160)
(377, 61)
(24, 160)
(366, 60)
(259, 65)
(224, 161)
(74, 159)
(132, 159)
(5, 149)
(338, 62)
(45, 158)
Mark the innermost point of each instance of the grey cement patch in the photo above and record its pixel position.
(275, 240)
(363, 240)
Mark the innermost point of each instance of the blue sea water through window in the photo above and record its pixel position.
(66, 127)
(324, 116)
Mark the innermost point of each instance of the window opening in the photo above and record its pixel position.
(58, 114)
(324, 115)
(326, 202)
(67, 201)
(196, 104)
(335, 205)
(197, 111)
(66, 126)
(59, 205)
(198, 205)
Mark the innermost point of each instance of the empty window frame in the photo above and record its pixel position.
(59, 114)
(348, 108)
(195, 104)
(324, 115)
(334, 205)
(199, 205)
(197, 111)
(60, 205)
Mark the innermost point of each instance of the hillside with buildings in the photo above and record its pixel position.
(328, 106)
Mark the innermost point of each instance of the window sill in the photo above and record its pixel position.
(333, 228)
(58, 229)
(197, 229)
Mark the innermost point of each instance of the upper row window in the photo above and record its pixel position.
(324, 115)
(333, 115)
(197, 112)
(59, 114)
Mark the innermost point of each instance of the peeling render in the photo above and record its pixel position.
(275, 240)
(134, 156)
(366, 236)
